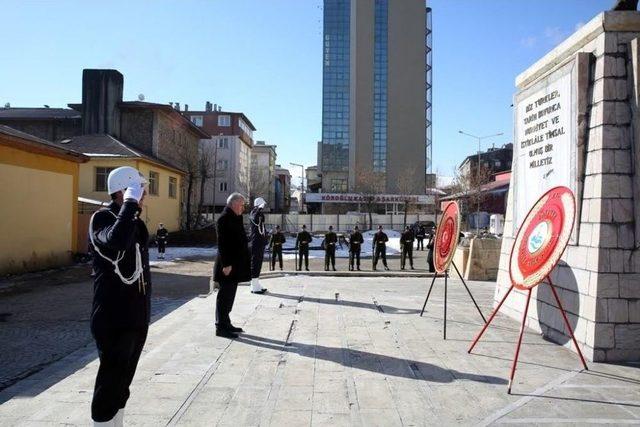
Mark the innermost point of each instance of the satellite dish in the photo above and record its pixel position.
(141, 97)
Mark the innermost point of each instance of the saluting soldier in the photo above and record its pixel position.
(406, 243)
(302, 246)
(330, 240)
(276, 242)
(355, 245)
(380, 240)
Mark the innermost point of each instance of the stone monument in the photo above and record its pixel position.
(577, 124)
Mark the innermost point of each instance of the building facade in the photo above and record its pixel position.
(36, 174)
(230, 145)
(282, 189)
(263, 173)
(374, 116)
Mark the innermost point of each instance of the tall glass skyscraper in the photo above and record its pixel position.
(375, 112)
(335, 85)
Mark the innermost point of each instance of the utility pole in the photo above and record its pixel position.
(215, 173)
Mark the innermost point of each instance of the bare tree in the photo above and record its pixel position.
(468, 184)
(188, 158)
(405, 187)
(207, 159)
(369, 184)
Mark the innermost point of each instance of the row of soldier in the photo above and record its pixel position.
(354, 241)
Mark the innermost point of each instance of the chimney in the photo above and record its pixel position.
(177, 106)
(219, 107)
(207, 107)
(215, 107)
(101, 94)
(171, 104)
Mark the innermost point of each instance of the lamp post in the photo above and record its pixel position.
(301, 185)
(479, 138)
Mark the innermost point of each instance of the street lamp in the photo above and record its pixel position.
(479, 138)
(301, 184)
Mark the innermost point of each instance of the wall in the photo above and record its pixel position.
(39, 211)
(598, 277)
(136, 128)
(51, 130)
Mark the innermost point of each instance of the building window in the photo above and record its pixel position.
(173, 187)
(196, 120)
(153, 183)
(339, 185)
(101, 178)
(222, 165)
(223, 143)
(224, 120)
(222, 186)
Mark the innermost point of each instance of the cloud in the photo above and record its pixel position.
(554, 35)
(528, 42)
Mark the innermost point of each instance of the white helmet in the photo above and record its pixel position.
(259, 202)
(124, 177)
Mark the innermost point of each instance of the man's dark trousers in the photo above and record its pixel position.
(303, 252)
(276, 253)
(224, 303)
(380, 252)
(119, 352)
(407, 252)
(354, 253)
(330, 256)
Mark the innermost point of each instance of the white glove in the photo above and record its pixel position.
(133, 193)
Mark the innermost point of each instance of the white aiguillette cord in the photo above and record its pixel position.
(137, 274)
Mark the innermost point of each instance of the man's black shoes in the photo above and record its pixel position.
(225, 333)
(262, 291)
(235, 329)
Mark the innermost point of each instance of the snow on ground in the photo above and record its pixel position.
(173, 254)
(393, 246)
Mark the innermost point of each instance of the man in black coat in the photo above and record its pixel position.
(302, 246)
(379, 243)
(430, 248)
(276, 242)
(258, 240)
(330, 240)
(355, 245)
(121, 292)
(161, 240)
(233, 263)
(406, 244)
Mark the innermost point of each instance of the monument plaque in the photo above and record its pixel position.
(544, 154)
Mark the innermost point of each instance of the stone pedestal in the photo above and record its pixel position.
(577, 123)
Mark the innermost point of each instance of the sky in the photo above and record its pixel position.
(264, 58)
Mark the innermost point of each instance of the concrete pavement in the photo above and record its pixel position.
(338, 351)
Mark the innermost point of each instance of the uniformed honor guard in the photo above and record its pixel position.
(355, 245)
(421, 232)
(275, 244)
(302, 246)
(161, 240)
(406, 244)
(121, 292)
(330, 240)
(257, 240)
(379, 243)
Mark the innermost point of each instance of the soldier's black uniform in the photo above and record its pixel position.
(276, 242)
(161, 239)
(355, 245)
(421, 232)
(330, 240)
(257, 240)
(430, 246)
(302, 245)
(120, 313)
(380, 240)
(406, 243)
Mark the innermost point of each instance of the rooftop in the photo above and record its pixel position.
(38, 113)
(40, 144)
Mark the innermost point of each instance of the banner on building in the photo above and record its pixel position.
(416, 199)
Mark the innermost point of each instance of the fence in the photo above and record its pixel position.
(292, 222)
